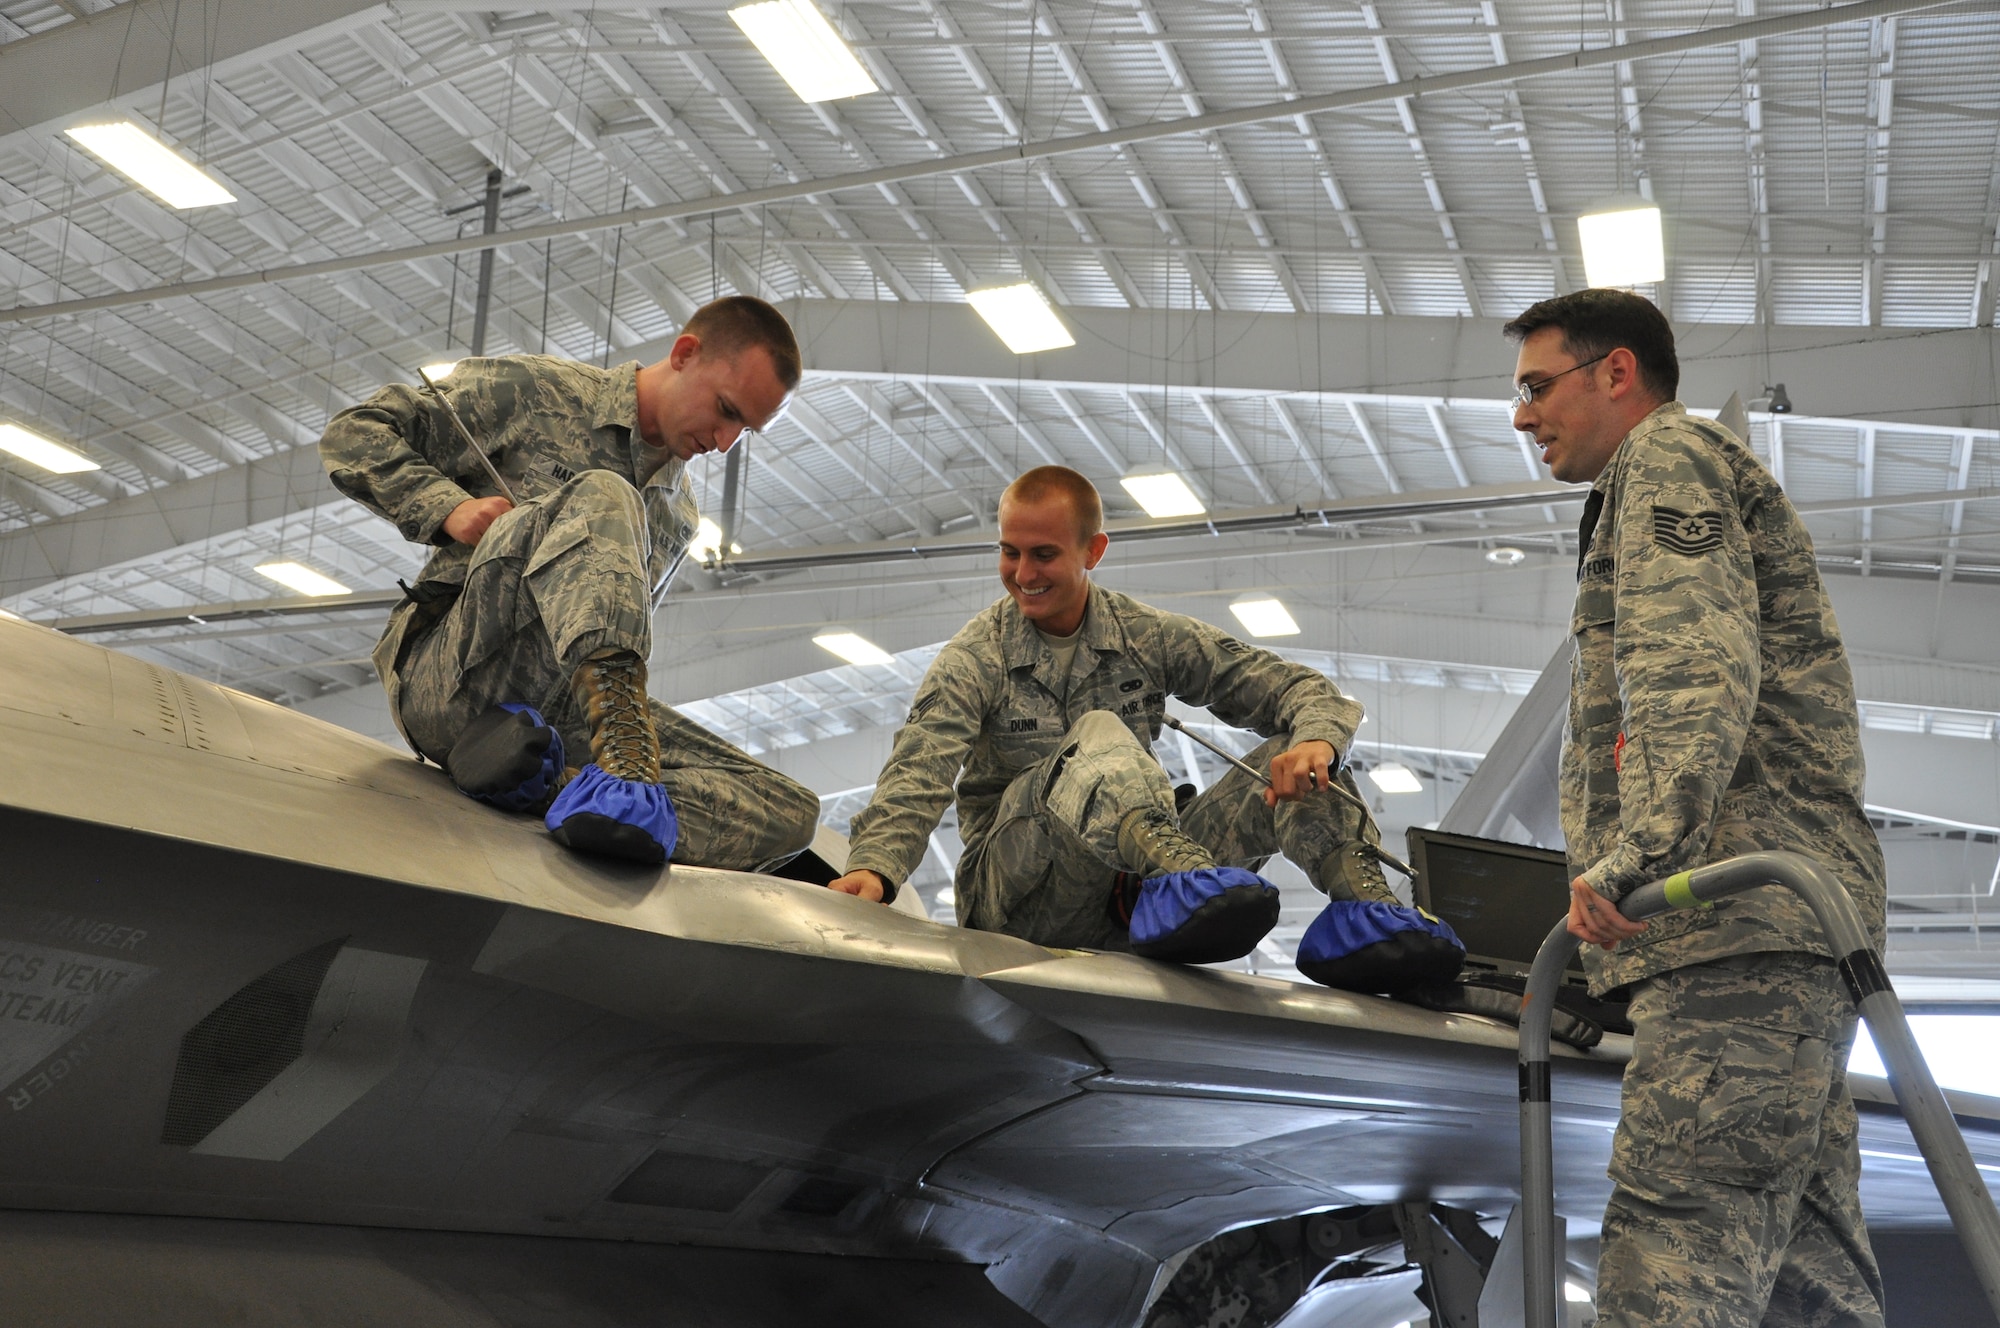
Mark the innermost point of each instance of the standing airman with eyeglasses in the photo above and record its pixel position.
(1711, 713)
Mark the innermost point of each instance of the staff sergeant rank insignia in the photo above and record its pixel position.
(1687, 532)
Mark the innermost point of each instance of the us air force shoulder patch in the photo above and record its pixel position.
(1687, 532)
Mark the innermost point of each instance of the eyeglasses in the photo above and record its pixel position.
(1525, 393)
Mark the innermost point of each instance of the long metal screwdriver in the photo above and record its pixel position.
(1388, 859)
(465, 436)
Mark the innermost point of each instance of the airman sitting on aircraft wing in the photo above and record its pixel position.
(1043, 711)
(526, 635)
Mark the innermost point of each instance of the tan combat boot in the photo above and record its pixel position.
(1152, 844)
(1352, 871)
(610, 690)
(617, 807)
(1188, 909)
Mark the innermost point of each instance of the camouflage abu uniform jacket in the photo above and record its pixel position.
(1711, 704)
(991, 705)
(542, 421)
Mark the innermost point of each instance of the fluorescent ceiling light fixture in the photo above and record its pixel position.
(299, 577)
(442, 369)
(1163, 495)
(1020, 317)
(852, 648)
(707, 540)
(1505, 556)
(1261, 615)
(34, 448)
(805, 50)
(1393, 778)
(1622, 245)
(151, 164)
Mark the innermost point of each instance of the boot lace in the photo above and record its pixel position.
(1153, 844)
(622, 739)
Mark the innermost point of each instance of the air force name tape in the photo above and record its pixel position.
(1687, 532)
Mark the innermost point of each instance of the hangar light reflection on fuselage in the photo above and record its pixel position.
(1959, 1048)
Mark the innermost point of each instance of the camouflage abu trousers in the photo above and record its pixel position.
(553, 581)
(1045, 872)
(1736, 1162)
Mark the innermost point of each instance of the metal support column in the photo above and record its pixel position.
(732, 493)
(489, 223)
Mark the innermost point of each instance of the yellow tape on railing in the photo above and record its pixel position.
(1680, 894)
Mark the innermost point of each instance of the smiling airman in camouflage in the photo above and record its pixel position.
(1043, 712)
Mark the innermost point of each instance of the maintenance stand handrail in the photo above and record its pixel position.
(1930, 1119)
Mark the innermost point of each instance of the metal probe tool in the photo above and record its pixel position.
(1387, 858)
(465, 436)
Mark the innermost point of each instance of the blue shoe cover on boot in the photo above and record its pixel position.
(618, 818)
(509, 757)
(1361, 945)
(1203, 917)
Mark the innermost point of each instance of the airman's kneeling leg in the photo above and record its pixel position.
(1087, 851)
(1365, 939)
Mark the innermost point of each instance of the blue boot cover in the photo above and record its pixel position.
(509, 757)
(1203, 917)
(1361, 945)
(619, 818)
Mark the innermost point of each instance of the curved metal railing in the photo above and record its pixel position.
(1930, 1120)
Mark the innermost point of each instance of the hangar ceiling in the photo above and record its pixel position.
(1285, 234)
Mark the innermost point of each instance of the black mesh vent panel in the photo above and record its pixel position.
(677, 1180)
(821, 1196)
(242, 1044)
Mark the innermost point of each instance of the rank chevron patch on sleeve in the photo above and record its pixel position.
(1687, 532)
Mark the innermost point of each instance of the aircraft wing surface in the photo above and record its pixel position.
(256, 967)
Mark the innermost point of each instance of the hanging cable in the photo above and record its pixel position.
(548, 284)
(611, 304)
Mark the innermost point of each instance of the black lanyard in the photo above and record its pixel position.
(1593, 507)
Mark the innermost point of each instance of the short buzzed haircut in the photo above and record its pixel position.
(1045, 482)
(735, 323)
(1598, 321)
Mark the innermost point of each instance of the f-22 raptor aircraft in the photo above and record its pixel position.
(291, 1032)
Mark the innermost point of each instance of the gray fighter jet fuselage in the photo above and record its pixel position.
(275, 1000)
